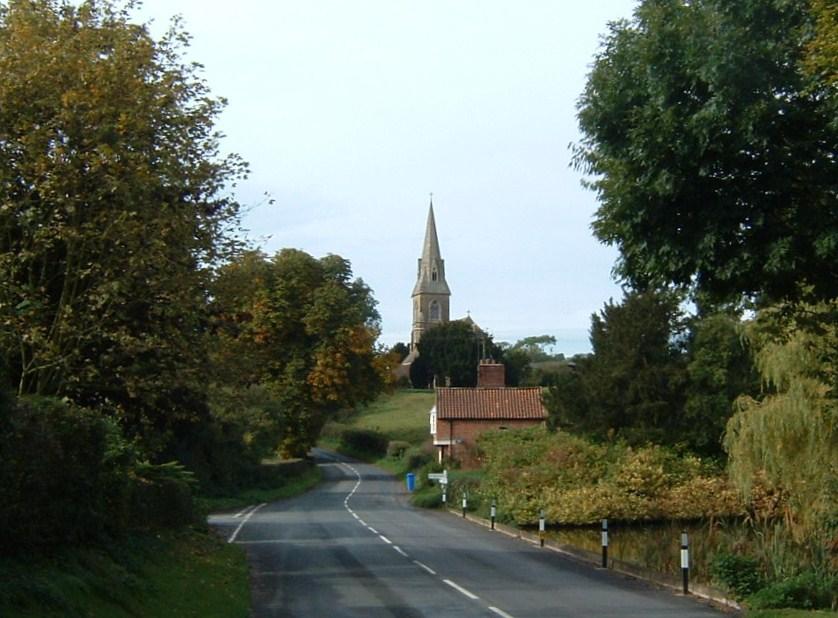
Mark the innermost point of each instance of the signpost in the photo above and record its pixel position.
(442, 479)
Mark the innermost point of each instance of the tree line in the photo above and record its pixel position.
(709, 136)
(142, 343)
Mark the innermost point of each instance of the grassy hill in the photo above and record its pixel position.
(402, 415)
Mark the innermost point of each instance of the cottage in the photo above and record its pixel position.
(461, 415)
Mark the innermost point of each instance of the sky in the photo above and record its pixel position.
(352, 113)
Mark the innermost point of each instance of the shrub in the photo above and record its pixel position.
(740, 574)
(416, 458)
(397, 448)
(364, 442)
(809, 590)
(69, 477)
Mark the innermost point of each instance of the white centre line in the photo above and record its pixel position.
(385, 539)
(400, 550)
(244, 521)
(425, 566)
(371, 529)
(461, 590)
(500, 612)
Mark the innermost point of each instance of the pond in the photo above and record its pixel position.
(657, 546)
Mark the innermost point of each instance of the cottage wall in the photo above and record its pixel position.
(468, 431)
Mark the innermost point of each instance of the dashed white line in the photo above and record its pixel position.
(500, 612)
(400, 550)
(362, 522)
(371, 529)
(385, 539)
(461, 590)
(244, 521)
(425, 566)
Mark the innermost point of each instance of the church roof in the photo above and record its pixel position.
(490, 403)
(431, 262)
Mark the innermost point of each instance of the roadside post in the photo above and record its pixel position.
(494, 512)
(541, 528)
(442, 479)
(604, 543)
(685, 561)
(465, 502)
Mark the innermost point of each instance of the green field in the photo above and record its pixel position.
(402, 415)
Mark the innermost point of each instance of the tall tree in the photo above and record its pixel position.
(112, 207)
(719, 370)
(634, 381)
(452, 351)
(307, 331)
(712, 154)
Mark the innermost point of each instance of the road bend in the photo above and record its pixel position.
(354, 547)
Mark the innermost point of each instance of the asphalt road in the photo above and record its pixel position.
(354, 547)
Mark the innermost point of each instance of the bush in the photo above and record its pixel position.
(740, 574)
(364, 442)
(69, 477)
(397, 448)
(809, 590)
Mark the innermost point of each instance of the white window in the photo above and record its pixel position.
(433, 421)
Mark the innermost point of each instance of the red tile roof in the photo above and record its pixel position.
(489, 403)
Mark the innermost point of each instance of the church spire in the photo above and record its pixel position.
(431, 276)
(431, 293)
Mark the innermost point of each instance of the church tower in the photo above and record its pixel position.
(431, 294)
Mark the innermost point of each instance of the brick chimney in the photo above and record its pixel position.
(491, 374)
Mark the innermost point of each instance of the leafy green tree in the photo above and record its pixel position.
(401, 350)
(534, 347)
(307, 330)
(822, 51)
(712, 152)
(453, 350)
(719, 370)
(112, 208)
(632, 386)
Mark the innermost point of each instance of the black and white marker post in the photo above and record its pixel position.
(494, 512)
(604, 543)
(465, 503)
(541, 528)
(685, 561)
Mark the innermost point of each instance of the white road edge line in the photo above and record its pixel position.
(500, 612)
(244, 521)
(461, 590)
(243, 511)
(425, 566)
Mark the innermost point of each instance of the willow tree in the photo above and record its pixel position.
(112, 206)
(789, 438)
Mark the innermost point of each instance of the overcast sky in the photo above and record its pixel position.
(352, 112)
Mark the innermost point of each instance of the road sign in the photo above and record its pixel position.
(442, 477)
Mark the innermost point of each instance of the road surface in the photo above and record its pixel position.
(354, 547)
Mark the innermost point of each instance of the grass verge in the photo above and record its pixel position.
(288, 488)
(189, 572)
(182, 573)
